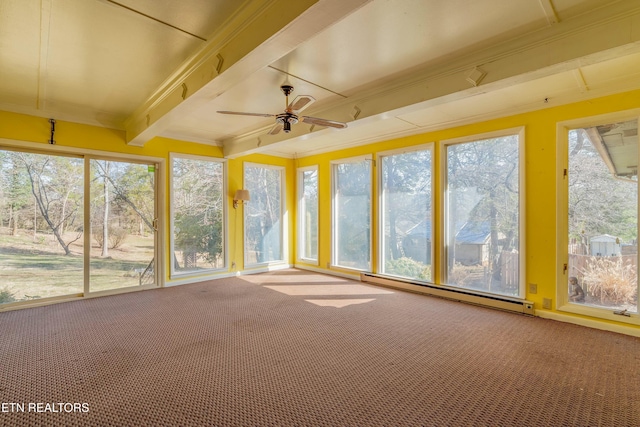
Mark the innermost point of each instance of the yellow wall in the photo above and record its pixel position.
(540, 184)
(540, 177)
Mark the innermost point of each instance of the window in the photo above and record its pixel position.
(49, 247)
(482, 214)
(197, 214)
(263, 229)
(601, 247)
(308, 214)
(351, 181)
(405, 213)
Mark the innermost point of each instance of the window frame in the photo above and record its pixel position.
(562, 215)
(429, 146)
(284, 241)
(334, 241)
(301, 237)
(159, 245)
(87, 155)
(225, 214)
(443, 201)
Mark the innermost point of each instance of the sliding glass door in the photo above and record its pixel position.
(122, 224)
(48, 201)
(41, 226)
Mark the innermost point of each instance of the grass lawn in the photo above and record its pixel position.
(38, 268)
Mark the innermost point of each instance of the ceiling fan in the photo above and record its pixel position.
(290, 115)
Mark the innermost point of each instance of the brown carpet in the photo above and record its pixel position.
(320, 351)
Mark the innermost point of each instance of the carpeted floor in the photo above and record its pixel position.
(294, 348)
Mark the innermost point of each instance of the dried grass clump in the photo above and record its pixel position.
(117, 236)
(611, 279)
(466, 275)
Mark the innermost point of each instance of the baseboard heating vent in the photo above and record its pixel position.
(443, 291)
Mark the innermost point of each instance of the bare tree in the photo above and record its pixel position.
(485, 173)
(52, 184)
(127, 188)
(598, 202)
(197, 210)
(15, 189)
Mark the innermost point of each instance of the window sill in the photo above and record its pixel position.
(600, 313)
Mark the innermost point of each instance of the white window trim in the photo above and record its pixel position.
(299, 222)
(284, 217)
(334, 243)
(430, 146)
(562, 191)
(443, 196)
(225, 214)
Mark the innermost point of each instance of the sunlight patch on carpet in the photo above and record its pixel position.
(328, 290)
(338, 303)
(307, 278)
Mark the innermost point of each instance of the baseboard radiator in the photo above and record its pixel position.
(494, 301)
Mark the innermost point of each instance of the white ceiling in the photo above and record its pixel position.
(388, 68)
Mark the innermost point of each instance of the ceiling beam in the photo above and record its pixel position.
(262, 33)
(558, 48)
(549, 12)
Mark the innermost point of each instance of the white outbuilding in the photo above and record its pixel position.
(605, 245)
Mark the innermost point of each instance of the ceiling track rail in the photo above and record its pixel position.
(306, 81)
(115, 3)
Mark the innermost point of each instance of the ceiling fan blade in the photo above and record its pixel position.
(322, 122)
(247, 114)
(276, 129)
(300, 103)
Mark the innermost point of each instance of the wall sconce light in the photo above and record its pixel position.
(240, 196)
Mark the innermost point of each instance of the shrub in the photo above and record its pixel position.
(611, 279)
(466, 275)
(407, 267)
(117, 236)
(6, 295)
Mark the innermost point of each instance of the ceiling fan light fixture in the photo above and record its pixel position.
(290, 115)
(287, 119)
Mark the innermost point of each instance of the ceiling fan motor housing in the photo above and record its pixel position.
(287, 119)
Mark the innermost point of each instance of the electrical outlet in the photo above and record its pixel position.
(528, 308)
(533, 288)
(546, 303)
